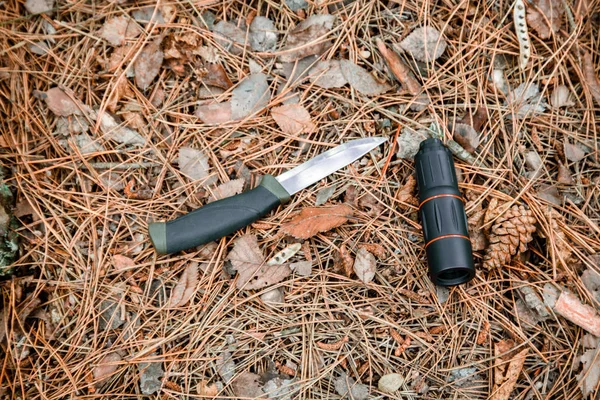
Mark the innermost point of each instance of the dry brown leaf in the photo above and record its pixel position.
(39, 6)
(573, 152)
(505, 376)
(365, 265)
(589, 75)
(327, 74)
(347, 260)
(227, 189)
(215, 113)
(361, 80)
(120, 89)
(466, 136)
(375, 248)
(106, 368)
(308, 38)
(293, 119)
(564, 175)
(148, 63)
(216, 76)
(545, 16)
(406, 194)
(313, 220)
(399, 69)
(247, 259)
(247, 385)
(60, 103)
(250, 96)
(119, 57)
(120, 262)
(116, 30)
(230, 37)
(476, 120)
(204, 389)
(561, 97)
(483, 334)
(186, 286)
(425, 44)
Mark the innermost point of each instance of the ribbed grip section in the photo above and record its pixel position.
(443, 218)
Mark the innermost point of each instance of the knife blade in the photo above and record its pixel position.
(223, 217)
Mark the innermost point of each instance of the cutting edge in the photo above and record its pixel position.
(326, 163)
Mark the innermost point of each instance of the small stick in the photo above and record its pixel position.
(389, 157)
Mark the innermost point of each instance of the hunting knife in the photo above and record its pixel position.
(223, 217)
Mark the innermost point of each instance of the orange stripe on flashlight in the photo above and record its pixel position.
(446, 237)
(438, 196)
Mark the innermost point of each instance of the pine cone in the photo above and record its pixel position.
(509, 235)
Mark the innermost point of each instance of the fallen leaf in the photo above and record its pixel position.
(324, 194)
(204, 389)
(302, 268)
(375, 248)
(149, 14)
(39, 6)
(111, 313)
(247, 259)
(84, 142)
(193, 163)
(298, 71)
(313, 220)
(406, 194)
(589, 75)
(216, 76)
(390, 383)
(296, 5)
(590, 373)
(346, 259)
(364, 265)
(327, 74)
(466, 136)
(117, 29)
(60, 103)
(399, 69)
(263, 34)
(573, 152)
(106, 368)
(293, 119)
(151, 375)
(506, 374)
(347, 387)
(120, 89)
(550, 194)
(65, 126)
(227, 189)
(281, 389)
(230, 37)
(361, 80)
(214, 113)
(273, 296)
(40, 48)
(112, 180)
(147, 64)
(121, 56)
(285, 254)
(247, 385)
(545, 16)
(526, 100)
(564, 175)
(250, 96)
(120, 262)
(117, 132)
(533, 160)
(186, 286)
(226, 366)
(409, 142)
(561, 97)
(476, 120)
(308, 38)
(424, 44)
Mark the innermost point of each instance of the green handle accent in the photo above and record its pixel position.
(217, 219)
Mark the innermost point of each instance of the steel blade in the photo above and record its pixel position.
(326, 163)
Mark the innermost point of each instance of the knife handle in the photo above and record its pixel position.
(217, 219)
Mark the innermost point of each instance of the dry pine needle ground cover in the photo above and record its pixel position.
(119, 113)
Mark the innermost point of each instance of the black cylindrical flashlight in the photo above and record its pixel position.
(443, 218)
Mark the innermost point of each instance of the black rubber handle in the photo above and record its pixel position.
(217, 219)
(443, 217)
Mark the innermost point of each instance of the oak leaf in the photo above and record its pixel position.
(186, 286)
(364, 265)
(247, 259)
(293, 119)
(313, 220)
(545, 16)
(308, 38)
(60, 103)
(361, 80)
(425, 44)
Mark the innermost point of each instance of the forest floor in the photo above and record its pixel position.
(115, 114)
